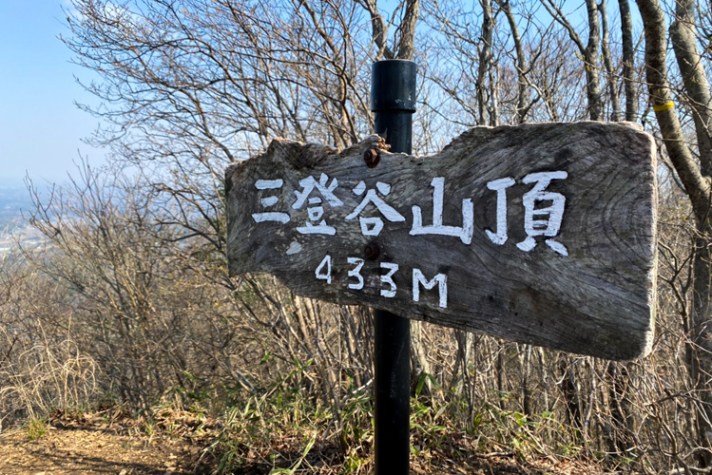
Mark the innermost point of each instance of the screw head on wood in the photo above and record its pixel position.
(371, 156)
(372, 251)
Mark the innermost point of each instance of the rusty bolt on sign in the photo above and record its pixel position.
(372, 251)
(372, 157)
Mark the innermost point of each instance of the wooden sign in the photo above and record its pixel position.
(542, 234)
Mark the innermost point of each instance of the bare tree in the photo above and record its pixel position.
(608, 62)
(695, 176)
(589, 52)
(191, 85)
(631, 93)
(523, 103)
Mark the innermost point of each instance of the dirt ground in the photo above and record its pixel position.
(62, 452)
(86, 445)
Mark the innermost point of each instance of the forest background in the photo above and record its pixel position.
(127, 303)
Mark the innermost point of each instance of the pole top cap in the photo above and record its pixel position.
(393, 84)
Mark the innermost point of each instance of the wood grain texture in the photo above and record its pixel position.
(596, 297)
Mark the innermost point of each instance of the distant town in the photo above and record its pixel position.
(15, 207)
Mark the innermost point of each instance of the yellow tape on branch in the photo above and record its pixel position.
(663, 107)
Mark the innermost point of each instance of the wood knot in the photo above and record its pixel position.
(372, 251)
(372, 157)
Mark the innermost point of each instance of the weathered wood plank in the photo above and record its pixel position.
(574, 269)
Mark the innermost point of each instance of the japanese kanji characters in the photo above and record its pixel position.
(372, 225)
(542, 218)
(464, 232)
(315, 211)
(268, 202)
(500, 186)
(543, 221)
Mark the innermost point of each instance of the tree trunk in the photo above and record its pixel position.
(593, 89)
(683, 34)
(631, 87)
(701, 339)
(696, 186)
(620, 437)
(485, 61)
(406, 47)
(605, 50)
(695, 178)
(522, 108)
(589, 52)
(569, 390)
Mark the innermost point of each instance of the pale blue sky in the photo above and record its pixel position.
(40, 126)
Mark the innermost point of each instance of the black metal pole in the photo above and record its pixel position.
(393, 102)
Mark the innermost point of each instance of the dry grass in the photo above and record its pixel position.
(47, 377)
